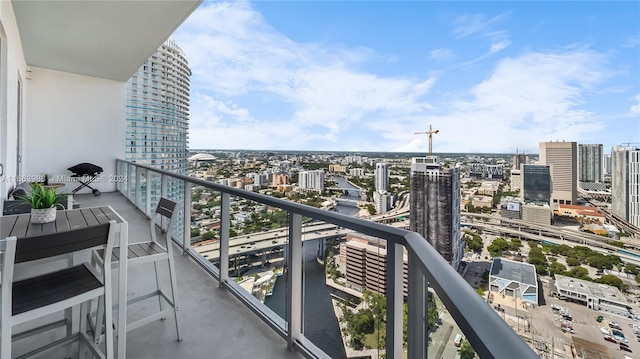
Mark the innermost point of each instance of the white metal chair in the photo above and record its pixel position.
(39, 296)
(155, 252)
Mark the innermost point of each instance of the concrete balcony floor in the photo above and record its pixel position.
(214, 323)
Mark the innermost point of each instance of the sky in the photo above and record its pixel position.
(492, 77)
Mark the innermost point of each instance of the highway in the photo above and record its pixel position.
(275, 239)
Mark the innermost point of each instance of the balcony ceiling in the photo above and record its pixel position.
(109, 39)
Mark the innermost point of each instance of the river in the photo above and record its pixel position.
(320, 322)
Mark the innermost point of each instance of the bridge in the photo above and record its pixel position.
(347, 191)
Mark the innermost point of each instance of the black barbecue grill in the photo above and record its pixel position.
(85, 173)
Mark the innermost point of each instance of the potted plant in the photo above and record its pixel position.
(44, 202)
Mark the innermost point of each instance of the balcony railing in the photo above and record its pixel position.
(487, 333)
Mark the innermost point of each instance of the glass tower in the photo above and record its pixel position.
(536, 183)
(158, 119)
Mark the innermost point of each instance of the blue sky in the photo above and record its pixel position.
(367, 75)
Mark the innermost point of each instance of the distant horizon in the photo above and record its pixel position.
(357, 152)
(365, 76)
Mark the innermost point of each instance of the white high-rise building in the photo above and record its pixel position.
(158, 117)
(311, 180)
(382, 201)
(590, 163)
(382, 176)
(563, 159)
(625, 183)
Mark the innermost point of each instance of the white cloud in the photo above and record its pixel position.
(631, 41)
(469, 24)
(243, 69)
(635, 109)
(493, 49)
(441, 54)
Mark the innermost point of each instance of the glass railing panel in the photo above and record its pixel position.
(175, 192)
(257, 251)
(205, 223)
(133, 185)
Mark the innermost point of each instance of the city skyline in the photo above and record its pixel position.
(365, 76)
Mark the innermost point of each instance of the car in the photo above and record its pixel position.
(610, 339)
(605, 331)
(626, 349)
(614, 325)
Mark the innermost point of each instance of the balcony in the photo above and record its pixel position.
(213, 316)
(214, 322)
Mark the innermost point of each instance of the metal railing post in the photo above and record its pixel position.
(417, 320)
(138, 187)
(294, 280)
(225, 218)
(147, 207)
(163, 193)
(186, 226)
(394, 300)
(128, 181)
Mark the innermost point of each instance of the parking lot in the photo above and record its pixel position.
(542, 325)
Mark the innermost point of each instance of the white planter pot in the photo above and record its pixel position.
(45, 215)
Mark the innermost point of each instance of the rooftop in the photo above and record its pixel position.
(591, 289)
(515, 271)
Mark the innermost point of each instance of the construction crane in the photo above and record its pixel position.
(430, 133)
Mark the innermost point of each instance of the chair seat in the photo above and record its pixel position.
(136, 250)
(52, 287)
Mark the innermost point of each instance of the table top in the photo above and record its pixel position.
(20, 225)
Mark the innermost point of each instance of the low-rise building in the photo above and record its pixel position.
(536, 213)
(482, 201)
(596, 296)
(586, 212)
(514, 279)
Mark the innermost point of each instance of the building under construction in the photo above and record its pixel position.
(435, 207)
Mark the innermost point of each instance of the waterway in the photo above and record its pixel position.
(320, 323)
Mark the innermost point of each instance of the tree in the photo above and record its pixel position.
(371, 208)
(631, 269)
(208, 235)
(195, 232)
(466, 350)
(573, 261)
(498, 246)
(579, 272)
(556, 268)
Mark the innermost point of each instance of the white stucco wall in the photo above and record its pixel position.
(70, 119)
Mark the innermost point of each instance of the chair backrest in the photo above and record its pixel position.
(166, 209)
(49, 245)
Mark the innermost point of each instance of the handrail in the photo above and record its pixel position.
(488, 334)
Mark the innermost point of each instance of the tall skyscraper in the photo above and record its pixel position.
(158, 116)
(311, 180)
(536, 184)
(590, 163)
(562, 157)
(382, 176)
(625, 183)
(607, 164)
(435, 207)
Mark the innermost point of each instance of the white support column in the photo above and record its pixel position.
(417, 311)
(294, 281)
(225, 209)
(186, 226)
(394, 300)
